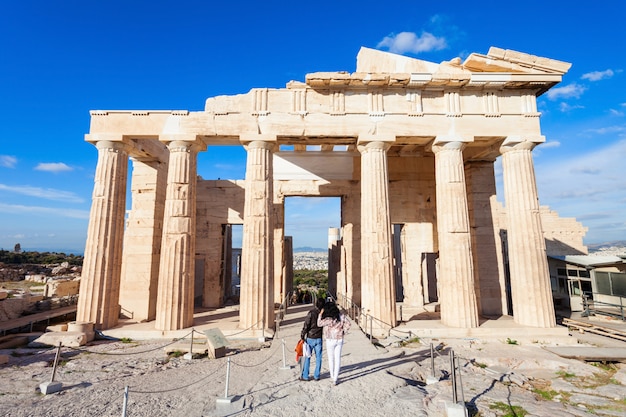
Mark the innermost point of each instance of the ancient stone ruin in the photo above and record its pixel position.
(408, 145)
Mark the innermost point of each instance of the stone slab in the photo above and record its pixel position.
(592, 354)
(199, 347)
(217, 343)
(57, 328)
(70, 339)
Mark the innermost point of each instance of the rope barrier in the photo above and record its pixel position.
(245, 330)
(258, 364)
(178, 388)
(130, 353)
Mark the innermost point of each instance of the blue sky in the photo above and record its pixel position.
(58, 60)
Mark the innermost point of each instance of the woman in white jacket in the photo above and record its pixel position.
(335, 325)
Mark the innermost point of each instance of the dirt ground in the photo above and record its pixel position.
(497, 378)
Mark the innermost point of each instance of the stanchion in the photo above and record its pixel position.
(453, 376)
(51, 386)
(189, 356)
(431, 379)
(285, 366)
(124, 406)
(226, 399)
(454, 408)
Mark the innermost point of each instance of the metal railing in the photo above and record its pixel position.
(591, 306)
(364, 320)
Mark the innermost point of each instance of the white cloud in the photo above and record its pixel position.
(565, 107)
(616, 112)
(53, 167)
(46, 193)
(550, 144)
(45, 211)
(567, 91)
(598, 75)
(589, 187)
(607, 130)
(8, 161)
(405, 42)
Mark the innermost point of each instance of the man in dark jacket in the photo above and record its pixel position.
(312, 335)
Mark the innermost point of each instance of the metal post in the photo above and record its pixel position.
(125, 401)
(461, 383)
(285, 366)
(227, 378)
(191, 345)
(432, 359)
(453, 376)
(56, 361)
(284, 357)
(226, 399)
(400, 314)
(369, 318)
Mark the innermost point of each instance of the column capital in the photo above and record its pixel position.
(366, 147)
(518, 143)
(247, 138)
(366, 139)
(180, 142)
(113, 145)
(439, 146)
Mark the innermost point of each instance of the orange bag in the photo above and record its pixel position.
(298, 349)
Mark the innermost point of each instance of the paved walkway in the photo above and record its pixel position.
(367, 385)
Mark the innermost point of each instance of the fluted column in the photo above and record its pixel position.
(528, 263)
(257, 263)
(457, 296)
(142, 240)
(100, 281)
(378, 294)
(175, 299)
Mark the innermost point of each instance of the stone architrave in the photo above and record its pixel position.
(175, 299)
(528, 263)
(378, 294)
(100, 281)
(257, 264)
(457, 294)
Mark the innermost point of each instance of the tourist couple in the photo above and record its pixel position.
(324, 316)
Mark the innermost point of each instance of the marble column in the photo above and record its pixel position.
(528, 263)
(486, 243)
(457, 296)
(257, 265)
(142, 240)
(378, 294)
(100, 281)
(278, 223)
(350, 277)
(175, 299)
